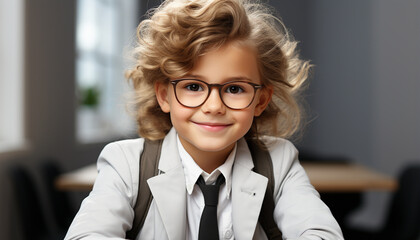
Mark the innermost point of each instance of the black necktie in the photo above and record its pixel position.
(208, 224)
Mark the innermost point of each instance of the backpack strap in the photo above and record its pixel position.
(149, 162)
(263, 165)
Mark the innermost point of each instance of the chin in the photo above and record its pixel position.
(214, 147)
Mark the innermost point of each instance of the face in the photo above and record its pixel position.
(213, 127)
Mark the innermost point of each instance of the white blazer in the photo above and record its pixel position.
(107, 213)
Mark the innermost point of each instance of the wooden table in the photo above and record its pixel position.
(81, 179)
(347, 177)
(326, 177)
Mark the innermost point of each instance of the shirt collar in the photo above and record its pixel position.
(192, 171)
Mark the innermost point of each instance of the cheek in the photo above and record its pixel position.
(245, 118)
(175, 107)
(179, 114)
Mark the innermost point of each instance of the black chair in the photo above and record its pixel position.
(403, 219)
(29, 209)
(61, 207)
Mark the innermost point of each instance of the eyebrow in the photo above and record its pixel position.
(230, 79)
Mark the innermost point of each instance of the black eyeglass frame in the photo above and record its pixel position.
(219, 87)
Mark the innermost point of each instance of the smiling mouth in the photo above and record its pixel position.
(214, 127)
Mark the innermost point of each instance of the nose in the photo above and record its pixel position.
(214, 103)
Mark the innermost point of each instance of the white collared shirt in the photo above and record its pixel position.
(195, 199)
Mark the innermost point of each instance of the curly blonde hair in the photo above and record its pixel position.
(179, 31)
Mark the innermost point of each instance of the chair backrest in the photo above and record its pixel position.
(29, 209)
(403, 221)
(59, 201)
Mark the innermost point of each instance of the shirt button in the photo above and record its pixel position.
(228, 234)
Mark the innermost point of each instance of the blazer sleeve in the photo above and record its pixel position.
(299, 211)
(107, 212)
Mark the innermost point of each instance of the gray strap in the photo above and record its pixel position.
(263, 165)
(149, 161)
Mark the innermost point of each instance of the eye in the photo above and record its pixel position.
(234, 89)
(194, 87)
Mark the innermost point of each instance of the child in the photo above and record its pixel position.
(209, 74)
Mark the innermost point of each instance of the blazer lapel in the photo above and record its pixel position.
(248, 190)
(169, 191)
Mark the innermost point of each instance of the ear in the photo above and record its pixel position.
(161, 90)
(263, 99)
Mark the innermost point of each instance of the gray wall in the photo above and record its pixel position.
(364, 96)
(396, 89)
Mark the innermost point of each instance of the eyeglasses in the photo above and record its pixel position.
(234, 95)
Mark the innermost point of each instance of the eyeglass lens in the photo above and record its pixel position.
(235, 95)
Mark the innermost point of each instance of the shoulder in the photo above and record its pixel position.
(129, 148)
(122, 155)
(284, 157)
(281, 149)
(118, 163)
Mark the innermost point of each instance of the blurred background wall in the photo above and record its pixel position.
(363, 97)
